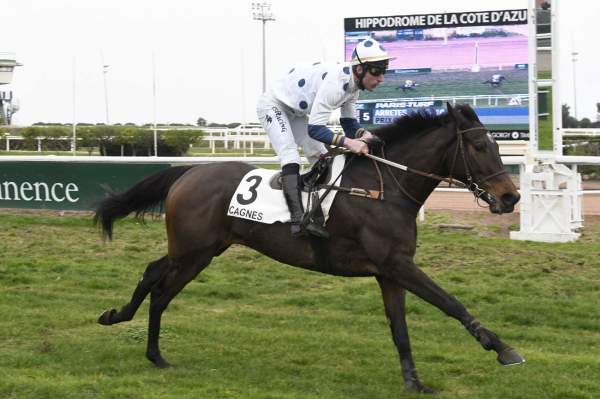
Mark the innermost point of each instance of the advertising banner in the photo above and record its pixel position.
(66, 186)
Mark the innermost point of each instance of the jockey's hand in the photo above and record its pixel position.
(356, 146)
(374, 143)
(367, 135)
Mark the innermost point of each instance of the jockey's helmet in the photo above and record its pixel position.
(371, 55)
(371, 52)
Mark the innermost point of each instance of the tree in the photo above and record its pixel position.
(567, 120)
(585, 123)
(177, 142)
(201, 122)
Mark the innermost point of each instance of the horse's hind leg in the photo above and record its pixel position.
(179, 274)
(154, 271)
(394, 300)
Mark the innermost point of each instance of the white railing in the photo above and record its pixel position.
(567, 132)
(508, 160)
(7, 56)
(240, 138)
(244, 140)
(134, 160)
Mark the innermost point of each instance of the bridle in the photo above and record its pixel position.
(472, 185)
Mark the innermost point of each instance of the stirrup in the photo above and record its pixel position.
(316, 230)
(299, 230)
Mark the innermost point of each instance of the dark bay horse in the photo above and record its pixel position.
(368, 237)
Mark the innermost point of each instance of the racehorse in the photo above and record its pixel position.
(369, 236)
(495, 81)
(408, 85)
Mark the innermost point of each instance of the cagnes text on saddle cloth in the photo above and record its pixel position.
(256, 200)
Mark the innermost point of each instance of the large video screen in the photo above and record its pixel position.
(478, 58)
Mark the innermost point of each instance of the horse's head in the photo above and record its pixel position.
(475, 160)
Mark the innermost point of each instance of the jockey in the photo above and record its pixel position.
(296, 108)
(408, 84)
(496, 80)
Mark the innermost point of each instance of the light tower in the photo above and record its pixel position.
(262, 12)
(574, 55)
(104, 72)
(7, 107)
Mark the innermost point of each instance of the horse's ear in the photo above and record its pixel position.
(451, 113)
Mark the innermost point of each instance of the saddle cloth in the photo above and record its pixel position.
(255, 199)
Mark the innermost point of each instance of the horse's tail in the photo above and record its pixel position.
(141, 198)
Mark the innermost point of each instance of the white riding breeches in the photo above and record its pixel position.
(287, 131)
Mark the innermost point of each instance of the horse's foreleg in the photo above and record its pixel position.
(393, 299)
(153, 273)
(407, 274)
(178, 275)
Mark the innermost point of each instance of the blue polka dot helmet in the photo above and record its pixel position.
(370, 51)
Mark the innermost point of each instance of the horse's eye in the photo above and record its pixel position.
(479, 146)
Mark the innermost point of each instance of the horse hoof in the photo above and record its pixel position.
(418, 388)
(158, 361)
(510, 357)
(162, 363)
(427, 390)
(106, 318)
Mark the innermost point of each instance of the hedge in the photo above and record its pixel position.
(110, 140)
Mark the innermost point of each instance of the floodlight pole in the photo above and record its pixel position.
(574, 55)
(262, 12)
(74, 142)
(155, 134)
(104, 72)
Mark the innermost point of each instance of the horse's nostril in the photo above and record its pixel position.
(510, 198)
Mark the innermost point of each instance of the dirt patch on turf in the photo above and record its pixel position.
(476, 222)
(44, 212)
(487, 224)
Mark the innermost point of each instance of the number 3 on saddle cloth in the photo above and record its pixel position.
(259, 197)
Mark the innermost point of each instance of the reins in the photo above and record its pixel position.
(471, 185)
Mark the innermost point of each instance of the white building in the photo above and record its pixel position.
(8, 63)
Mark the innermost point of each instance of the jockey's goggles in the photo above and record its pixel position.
(376, 71)
(377, 68)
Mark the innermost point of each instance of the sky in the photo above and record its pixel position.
(204, 59)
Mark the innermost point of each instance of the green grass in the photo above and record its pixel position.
(545, 139)
(249, 328)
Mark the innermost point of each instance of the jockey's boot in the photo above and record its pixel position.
(292, 194)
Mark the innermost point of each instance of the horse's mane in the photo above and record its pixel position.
(415, 122)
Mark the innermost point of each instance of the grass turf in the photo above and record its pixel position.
(249, 328)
